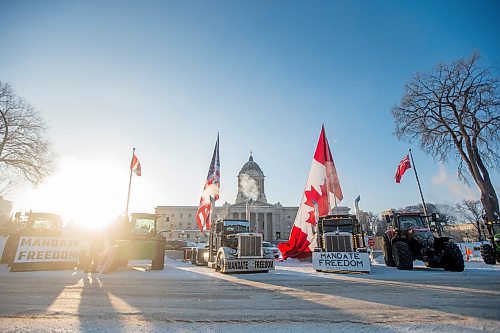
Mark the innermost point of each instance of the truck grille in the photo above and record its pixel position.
(341, 242)
(250, 245)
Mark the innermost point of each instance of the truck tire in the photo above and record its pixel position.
(452, 259)
(388, 257)
(487, 254)
(219, 263)
(402, 256)
(194, 256)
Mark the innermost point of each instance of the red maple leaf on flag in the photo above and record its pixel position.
(317, 201)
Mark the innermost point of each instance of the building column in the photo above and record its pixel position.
(270, 223)
(265, 234)
(254, 221)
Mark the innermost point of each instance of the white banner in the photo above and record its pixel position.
(341, 261)
(47, 249)
(247, 265)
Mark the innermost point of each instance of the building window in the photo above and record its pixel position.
(187, 236)
(182, 216)
(189, 215)
(289, 226)
(167, 219)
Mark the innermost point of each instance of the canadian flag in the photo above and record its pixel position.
(135, 165)
(322, 190)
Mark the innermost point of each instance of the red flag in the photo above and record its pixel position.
(402, 167)
(210, 191)
(135, 165)
(322, 189)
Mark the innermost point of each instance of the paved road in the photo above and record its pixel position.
(184, 298)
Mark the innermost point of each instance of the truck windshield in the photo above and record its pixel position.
(234, 226)
(496, 228)
(44, 224)
(144, 224)
(342, 225)
(407, 222)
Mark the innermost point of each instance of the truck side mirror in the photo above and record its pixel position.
(434, 217)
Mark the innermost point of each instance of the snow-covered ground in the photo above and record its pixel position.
(187, 298)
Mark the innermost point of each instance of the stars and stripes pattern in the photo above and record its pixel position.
(210, 191)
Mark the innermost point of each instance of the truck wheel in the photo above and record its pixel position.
(194, 256)
(402, 256)
(219, 264)
(452, 259)
(487, 254)
(388, 257)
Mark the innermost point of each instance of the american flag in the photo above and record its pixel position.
(210, 191)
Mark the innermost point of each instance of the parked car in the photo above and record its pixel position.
(177, 244)
(267, 246)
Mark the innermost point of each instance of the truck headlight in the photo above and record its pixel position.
(266, 251)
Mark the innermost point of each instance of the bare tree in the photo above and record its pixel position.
(453, 111)
(443, 210)
(24, 149)
(472, 211)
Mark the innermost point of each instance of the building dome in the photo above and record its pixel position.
(251, 171)
(251, 168)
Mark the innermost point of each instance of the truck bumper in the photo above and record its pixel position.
(247, 265)
(341, 261)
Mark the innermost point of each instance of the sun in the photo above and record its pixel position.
(88, 194)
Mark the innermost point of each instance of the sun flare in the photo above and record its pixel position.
(89, 194)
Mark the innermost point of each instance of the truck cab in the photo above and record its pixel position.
(340, 233)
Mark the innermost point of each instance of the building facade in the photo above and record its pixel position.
(5, 209)
(274, 221)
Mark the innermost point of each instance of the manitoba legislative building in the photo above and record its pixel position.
(274, 221)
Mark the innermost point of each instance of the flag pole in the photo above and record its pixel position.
(326, 152)
(418, 183)
(129, 183)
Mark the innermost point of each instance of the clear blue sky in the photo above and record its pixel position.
(166, 76)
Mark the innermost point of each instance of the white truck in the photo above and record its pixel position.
(232, 248)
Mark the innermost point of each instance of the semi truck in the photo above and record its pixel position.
(340, 243)
(232, 248)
